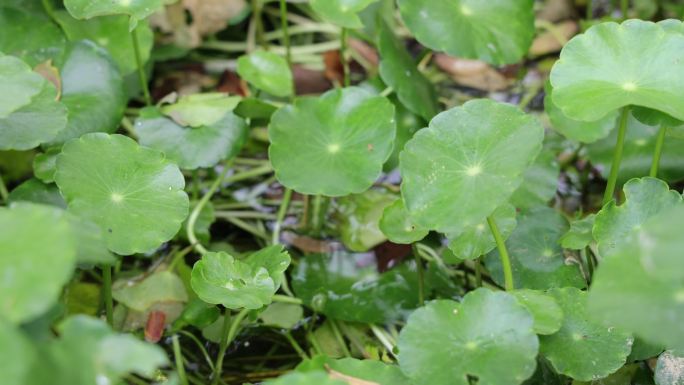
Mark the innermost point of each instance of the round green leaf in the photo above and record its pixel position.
(540, 182)
(334, 144)
(266, 71)
(669, 369)
(398, 70)
(548, 315)
(34, 123)
(92, 91)
(467, 163)
(475, 241)
(359, 216)
(20, 84)
(308, 378)
(219, 278)
(644, 198)
(282, 315)
(585, 132)
(189, 147)
(616, 65)
(579, 236)
(397, 225)
(133, 193)
(343, 13)
(30, 36)
(348, 287)
(37, 256)
(537, 259)
(110, 32)
(488, 335)
(199, 110)
(582, 349)
(17, 356)
(496, 31)
(136, 9)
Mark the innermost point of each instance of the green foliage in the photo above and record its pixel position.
(266, 71)
(397, 225)
(135, 9)
(341, 12)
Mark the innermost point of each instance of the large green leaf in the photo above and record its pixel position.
(111, 32)
(467, 163)
(348, 287)
(548, 315)
(537, 259)
(477, 240)
(397, 225)
(644, 198)
(133, 193)
(359, 217)
(92, 91)
(191, 148)
(37, 256)
(136, 9)
(17, 354)
(582, 349)
(343, 13)
(219, 278)
(398, 70)
(26, 125)
(266, 71)
(496, 31)
(334, 144)
(488, 335)
(30, 36)
(20, 84)
(615, 65)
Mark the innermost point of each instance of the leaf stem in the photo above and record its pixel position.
(228, 333)
(4, 194)
(617, 156)
(503, 253)
(141, 69)
(339, 338)
(178, 357)
(624, 9)
(286, 34)
(421, 275)
(192, 219)
(107, 293)
(302, 354)
(282, 211)
(658, 152)
(316, 213)
(286, 299)
(343, 56)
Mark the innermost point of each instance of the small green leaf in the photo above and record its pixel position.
(163, 286)
(467, 163)
(644, 198)
(496, 31)
(366, 372)
(266, 71)
(359, 217)
(110, 32)
(308, 378)
(20, 84)
(585, 132)
(35, 191)
(397, 225)
(32, 37)
(37, 256)
(133, 193)
(199, 110)
(17, 356)
(540, 182)
(537, 259)
(399, 71)
(583, 349)
(656, 118)
(488, 335)
(669, 369)
(477, 240)
(334, 144)
(282, 315)
(192, 148)
(136, 9)
(343, 13)
(630, 64)
(579, 236)
(548, 315)
(348, 287)
(219, 278)
(44, 164)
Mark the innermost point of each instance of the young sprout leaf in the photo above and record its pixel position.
(580, 234)
(477, 240)
(359, 217)
(548, 315)
(398, 70)
(644, 198)
(488, 335)
(189, 147)
(282, 315)
(583, 349)
(250, 283)
(37, 257)
(616, 65)
(496, 31)
(133, 193)
(44, 164)
(136, 9)
(343, 13)
(334, 144)
(31, 36)
(537, 259)
(110, 32)
(201, 109)
(397, 225)
(267, 71)
(467, 163)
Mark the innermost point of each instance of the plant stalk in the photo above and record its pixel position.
(228, 333)
(503, 253)
(624, 9)
(617, 156)
(141, 69)
(192, 219)
(107, 294)
(658, 152)
(4, 194)
(178, 357)
(343, 57)
(286, 34)
(282, 211)
(421, 275)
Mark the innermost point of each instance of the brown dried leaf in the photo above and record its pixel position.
(550, 42)
(154, 329)
(51, 74)
(472, 73)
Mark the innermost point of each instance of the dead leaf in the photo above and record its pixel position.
(154, 329)
(307, 244)
(51, 74)
(555, 10)
(472, 73)
(550, 42)
(334, 71)
(348, 379)
(367, 52)
(308, 81)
